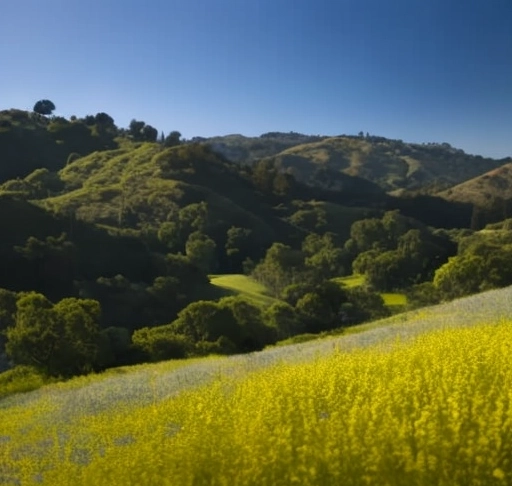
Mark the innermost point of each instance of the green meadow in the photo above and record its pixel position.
(257, 293)
(391, 300)
(245, 286)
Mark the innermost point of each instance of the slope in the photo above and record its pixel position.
(489, 193)
(29, 141)
(93, 428)
(392, 164)
(141, 186)
(243, 286)
(247, 150)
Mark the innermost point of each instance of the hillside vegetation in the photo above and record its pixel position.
(411, 402)
(391, 164)
(490, 194)
(110, 234)
(30, 141)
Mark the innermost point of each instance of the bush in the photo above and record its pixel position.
(161, 343)
(21, 379)
(223, 345)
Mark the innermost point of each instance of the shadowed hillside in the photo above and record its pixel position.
(490, 194)
(30, 141)
(392, 164)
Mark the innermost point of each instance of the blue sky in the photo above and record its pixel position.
(417, 70)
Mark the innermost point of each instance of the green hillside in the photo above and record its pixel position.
(29, 141)
(391, 164)
(490, 194)
(244, 286)
(110, 235)
(247, 150)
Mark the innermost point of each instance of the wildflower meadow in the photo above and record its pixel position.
(420, 401)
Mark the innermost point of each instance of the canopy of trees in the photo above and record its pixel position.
(96, 217)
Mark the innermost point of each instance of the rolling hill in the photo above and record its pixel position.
(392, 164)
(490, 193)
(29, 141)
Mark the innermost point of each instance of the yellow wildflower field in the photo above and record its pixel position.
(434, 409)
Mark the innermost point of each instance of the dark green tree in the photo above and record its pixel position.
(237, 246)
(140, 132)
(7, 314)
(323, 256)
(104, 119)
(135, 129)
(172, 139)
(61, 339)
(367, 234)
(161, 343)
(207, 321)
(284, 319)
(282, 266)
(193, 217)
(169, 235)
(201, 251)
(254, 333)
(149, 134)
(115, 347)
(44, 107)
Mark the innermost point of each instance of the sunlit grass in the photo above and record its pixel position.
(245, 286)
(351, 281)
(391, 299)
(394, 299)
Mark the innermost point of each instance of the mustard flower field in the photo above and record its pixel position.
(422, 400)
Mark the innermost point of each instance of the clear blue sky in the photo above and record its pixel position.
(418, 70)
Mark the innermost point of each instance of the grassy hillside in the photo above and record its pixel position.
(142, 185)
(392, 164)
(414, 401)
(244, 286)
(247, 150)
(490, 193)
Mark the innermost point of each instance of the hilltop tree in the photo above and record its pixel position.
(149, 133)
(172, 139)
(44, 107)
(104, 119)
(140, 132)
(135, 128)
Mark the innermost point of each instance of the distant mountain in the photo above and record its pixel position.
(246, 150)
(392, 164)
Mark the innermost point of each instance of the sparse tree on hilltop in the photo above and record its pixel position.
(44, 107)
